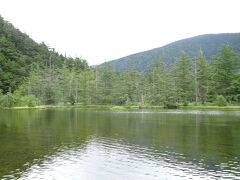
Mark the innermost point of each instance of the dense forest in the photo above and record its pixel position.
(210, 44)
(19, 53)
(33, 74)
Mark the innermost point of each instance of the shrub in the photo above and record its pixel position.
(185, 103)
(1, 97)
(236, 98)
(168, 105)
(221, 101)
(29, 101)
(8, 100)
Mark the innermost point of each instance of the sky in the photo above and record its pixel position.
(104, 30)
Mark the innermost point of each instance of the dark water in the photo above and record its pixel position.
(89, 144)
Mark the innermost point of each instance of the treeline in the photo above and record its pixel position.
(188, 80)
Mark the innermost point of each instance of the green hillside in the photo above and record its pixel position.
(210, 44)
(18, 53)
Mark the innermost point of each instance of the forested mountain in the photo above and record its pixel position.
(18, 53)
(210, 44)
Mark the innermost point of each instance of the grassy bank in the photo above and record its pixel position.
(211, 107)
(107, 107)
(112, 107)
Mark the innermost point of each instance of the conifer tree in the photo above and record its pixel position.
(202, 75)
(184, 78)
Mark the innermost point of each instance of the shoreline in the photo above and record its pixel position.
(113, 107)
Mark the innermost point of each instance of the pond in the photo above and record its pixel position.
(97, 144)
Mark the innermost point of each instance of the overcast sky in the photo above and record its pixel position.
(99, 30)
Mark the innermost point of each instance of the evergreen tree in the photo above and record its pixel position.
(183, 71)
(225, 71)
(202, 76)
(157, 83)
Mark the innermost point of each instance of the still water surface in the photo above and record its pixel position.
(90, 144)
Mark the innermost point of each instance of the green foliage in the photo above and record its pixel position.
(8, 100)
(168, 105)
(221, 101)
(157, 80)
(16, 99)
(29, 101)
(201, 78)
(1, 98)
(184, 78)
(236, 98)
(225, 70)
(18, 52)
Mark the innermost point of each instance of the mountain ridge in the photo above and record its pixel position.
(210, 44)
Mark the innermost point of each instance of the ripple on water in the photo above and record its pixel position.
(196, 112)
(106, 158)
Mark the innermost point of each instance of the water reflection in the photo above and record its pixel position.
(104, 158)
(78, 144)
